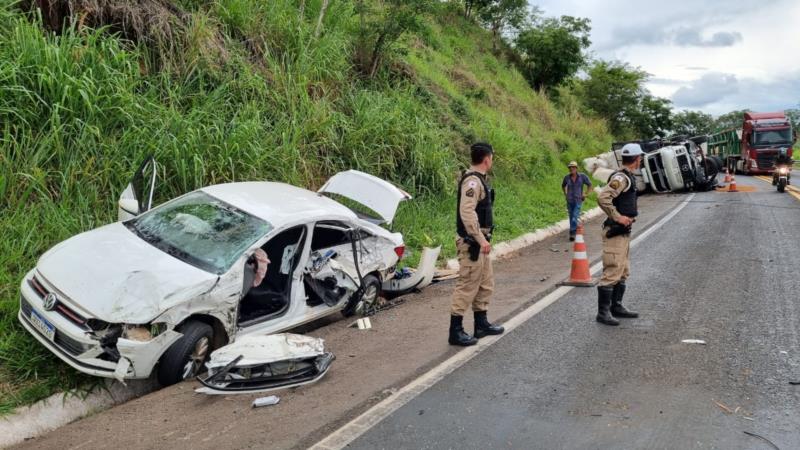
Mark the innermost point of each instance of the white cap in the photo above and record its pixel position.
(632, 150)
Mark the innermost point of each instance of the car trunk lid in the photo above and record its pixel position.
(376, 194)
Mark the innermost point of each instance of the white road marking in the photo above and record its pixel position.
(361, 424)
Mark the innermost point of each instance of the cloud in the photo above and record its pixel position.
(718, 92)
(666, 81)
(681, 37)
(709, 88)
(693, 38)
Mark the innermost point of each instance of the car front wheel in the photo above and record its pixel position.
(186, 357)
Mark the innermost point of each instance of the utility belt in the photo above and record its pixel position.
(614, 229)
(474, 246)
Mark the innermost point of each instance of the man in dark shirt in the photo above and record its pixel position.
(576, 186)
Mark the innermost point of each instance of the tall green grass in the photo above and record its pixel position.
(79, 110)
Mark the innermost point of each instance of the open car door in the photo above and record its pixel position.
(381, 197)
(138, 195)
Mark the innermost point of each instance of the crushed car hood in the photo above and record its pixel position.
(117, 277)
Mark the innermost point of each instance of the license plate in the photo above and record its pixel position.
(44, 327)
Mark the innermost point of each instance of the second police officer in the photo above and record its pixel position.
(618, 200)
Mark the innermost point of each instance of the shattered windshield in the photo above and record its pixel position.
(773, 137)
(200, 230)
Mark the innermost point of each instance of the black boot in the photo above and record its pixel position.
(457, 334)
(604, 294)
(617, 309)
(483, 327)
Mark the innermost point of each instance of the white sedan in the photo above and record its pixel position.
(162, 287)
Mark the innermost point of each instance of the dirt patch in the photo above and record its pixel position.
(464, 79)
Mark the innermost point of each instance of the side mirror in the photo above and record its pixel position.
(128, 209)
(137, 197)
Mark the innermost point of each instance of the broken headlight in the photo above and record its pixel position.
(143, 333)
(134, 332)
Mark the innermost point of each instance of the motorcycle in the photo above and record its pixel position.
(781, 178)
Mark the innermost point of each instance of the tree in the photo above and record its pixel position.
(553, 50)
(381, 23)
(794, 117)
(612, 91)
(474, 5)
(501, 15)
(653, 117)
(732, 119)
(616, 92)
(692, 123)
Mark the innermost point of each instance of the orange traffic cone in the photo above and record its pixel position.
(732, 186)
(727, 176)
(580, 275)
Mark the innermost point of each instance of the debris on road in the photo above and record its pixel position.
(694, 341)
(362, 324)
(795, 383)
(445, 274)
(762, 438)
(723, 407)
(266, 401)
(263, 363)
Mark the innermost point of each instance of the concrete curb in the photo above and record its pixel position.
(60, 409)
(505, 249)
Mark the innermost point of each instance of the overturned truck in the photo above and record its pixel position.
(675, 165)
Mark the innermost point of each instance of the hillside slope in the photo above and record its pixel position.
(243, 90)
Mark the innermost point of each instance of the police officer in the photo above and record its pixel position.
(618, 200)
(474, 225)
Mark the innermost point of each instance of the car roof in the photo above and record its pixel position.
(279, 203)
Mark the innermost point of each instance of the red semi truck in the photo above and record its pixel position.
(753, 148)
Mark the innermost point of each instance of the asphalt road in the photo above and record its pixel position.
(724, 270)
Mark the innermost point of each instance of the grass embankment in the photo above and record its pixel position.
(250, 94)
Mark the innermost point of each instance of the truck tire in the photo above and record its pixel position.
(718, 162)
(186, 357)
(367, 299)
(710, 167)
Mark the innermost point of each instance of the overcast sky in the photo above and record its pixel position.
(708, 55)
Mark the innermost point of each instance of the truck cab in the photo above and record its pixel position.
(670, 169)
(753, 148)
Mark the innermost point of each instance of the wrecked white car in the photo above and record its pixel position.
(163, 287)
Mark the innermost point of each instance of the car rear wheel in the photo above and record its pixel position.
(186, 357)
(367, 302)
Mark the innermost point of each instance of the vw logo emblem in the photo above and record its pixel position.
(49, 301)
